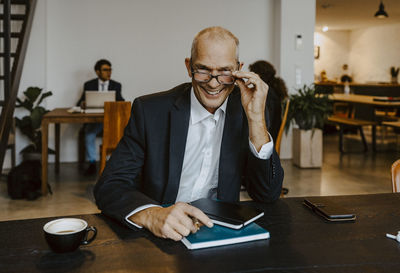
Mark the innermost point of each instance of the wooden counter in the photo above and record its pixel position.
(371, 89)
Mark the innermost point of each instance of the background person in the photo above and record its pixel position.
(345, 74)
(102, 83)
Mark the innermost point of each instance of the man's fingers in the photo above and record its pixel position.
(176, 221)
(171, 233)
(182, 230)
(247, 79)
(251, 81)
(244, 74)
(241, 83)
(199, 215)
(188, 222)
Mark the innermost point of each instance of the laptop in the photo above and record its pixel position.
(95, 100)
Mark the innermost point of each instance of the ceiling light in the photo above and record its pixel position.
(381, 13)
(325, 28)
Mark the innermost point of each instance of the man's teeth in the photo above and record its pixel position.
(213, 93)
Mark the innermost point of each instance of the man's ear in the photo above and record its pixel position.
(97, 73)
(189, 69)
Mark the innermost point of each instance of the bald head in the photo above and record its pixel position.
(214, 34)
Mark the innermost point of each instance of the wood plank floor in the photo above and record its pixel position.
(355, 173)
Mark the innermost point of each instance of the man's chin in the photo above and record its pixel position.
(213, 102)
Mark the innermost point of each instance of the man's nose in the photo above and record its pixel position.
(213, 83)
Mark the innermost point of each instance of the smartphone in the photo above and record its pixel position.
(329, 210)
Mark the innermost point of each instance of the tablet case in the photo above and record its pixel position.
(232, 215)
(329, 210)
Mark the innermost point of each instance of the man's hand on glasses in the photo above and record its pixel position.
(254, 93)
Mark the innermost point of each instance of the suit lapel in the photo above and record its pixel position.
(230, 147)
(111, 86)
(179, 124)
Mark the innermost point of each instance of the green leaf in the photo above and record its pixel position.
(45, 95)
(36, 116)
(32, 93)
(30, 124)
(308, 109)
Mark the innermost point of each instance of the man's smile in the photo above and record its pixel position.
(212, 93)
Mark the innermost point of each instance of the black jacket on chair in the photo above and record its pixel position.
(93, 85)
(146, 166)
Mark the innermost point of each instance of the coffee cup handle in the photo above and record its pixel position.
(87, 241)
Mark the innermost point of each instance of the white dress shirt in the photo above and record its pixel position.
(103, 86)
(199, 177)
(203, 145)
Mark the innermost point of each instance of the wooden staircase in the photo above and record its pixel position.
(16, 17)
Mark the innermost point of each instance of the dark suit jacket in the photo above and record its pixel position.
(146, 166)
(93, 85)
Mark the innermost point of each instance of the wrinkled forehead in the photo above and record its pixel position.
(216, 53)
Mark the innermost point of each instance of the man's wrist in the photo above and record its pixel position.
(258, 134)
(140, 218)
(137, 218)
(256, 118)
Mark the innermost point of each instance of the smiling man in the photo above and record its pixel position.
(202, 139)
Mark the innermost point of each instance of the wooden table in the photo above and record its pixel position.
(395, 124)
(373, 89)
(363, 99)
(301, 241)
(58, 116)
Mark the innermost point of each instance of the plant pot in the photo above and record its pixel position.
(307, 148)
(394, 80)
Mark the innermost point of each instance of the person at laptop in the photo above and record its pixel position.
(202, 139)
(102, 83)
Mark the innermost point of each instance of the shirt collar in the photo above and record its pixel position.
(106, 82)
(199, 113)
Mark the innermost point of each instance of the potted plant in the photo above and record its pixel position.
(309, 110)
(29, 125)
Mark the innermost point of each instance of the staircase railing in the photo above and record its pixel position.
(12, 80)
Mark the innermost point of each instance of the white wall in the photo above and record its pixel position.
(373, 51)
(334, 52)
(295, 18)
(147, 42)
(370, 52)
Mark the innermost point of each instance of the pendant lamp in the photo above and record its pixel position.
(381, 13)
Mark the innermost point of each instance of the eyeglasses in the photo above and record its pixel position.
(205, 77)
(106, 69)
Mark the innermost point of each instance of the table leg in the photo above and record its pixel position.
(45, 139)
(341, 148)
(374, 138)
(57, 135)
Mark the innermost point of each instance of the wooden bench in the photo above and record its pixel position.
(343, 122)
(394, 124)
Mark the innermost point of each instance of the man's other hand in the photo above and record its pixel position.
(174, 222)
(254, 94)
